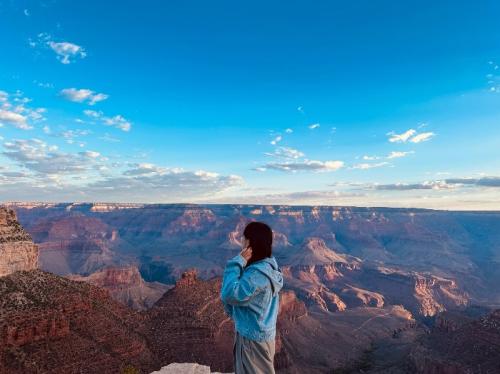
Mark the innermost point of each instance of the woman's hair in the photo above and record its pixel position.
(260, 236)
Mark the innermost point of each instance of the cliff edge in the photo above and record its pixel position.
(17, 250)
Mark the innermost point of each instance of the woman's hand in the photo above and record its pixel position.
(246, 253)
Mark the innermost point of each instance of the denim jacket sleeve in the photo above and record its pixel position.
(228, 308)
(238, 286)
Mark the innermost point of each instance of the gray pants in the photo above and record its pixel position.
(252, 357)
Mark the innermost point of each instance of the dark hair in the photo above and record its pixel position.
(260, 236)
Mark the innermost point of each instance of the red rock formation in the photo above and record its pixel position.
(50, 324)
(17, 251)
(473, 347)
(126, 285)
(191, 221)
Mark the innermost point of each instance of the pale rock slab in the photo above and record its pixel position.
(185, 368)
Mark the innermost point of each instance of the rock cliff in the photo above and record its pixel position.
(126, 285)
(49, 324)
(17, 250)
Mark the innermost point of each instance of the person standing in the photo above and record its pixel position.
(250, 290)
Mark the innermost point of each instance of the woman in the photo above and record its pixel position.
(250, 295)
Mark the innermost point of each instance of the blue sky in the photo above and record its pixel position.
(334, 103)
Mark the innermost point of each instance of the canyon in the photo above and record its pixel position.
(369, 288)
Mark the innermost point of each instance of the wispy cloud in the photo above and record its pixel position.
(286, 152)
(42, 171)
(117, 121)
(108, 138)
(400, 138)
(83, 95)
(397, 154)
(70, 136)
(38, 156)
(493, 77)
(15, 112)
(423, 137)
(445, 184)
(306, 165)
(427, 185)
(367, 165)
(410, 135)
(66, 52)
(371, 158)
(312, 197)
(490, 181)
(276, 140)
(390, 156)
(314, 126)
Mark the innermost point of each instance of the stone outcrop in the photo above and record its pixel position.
(126, 285)
(185, 368)
(49, 324)
(188, 324)
(17, 250)
(461, 348)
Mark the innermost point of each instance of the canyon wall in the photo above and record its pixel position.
(17, 250)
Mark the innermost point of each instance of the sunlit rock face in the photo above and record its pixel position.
(17, 250)
(334, 258)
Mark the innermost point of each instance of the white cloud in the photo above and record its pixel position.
(15, 112)
(15, 119)
(364, 166)
(288, 131)
(86, 176)
(410, 135)
(91, 154)
(276, 140)
(83, 95)
(427, 185)
(422, 137)
(286, 152)
(92, 113)
(306, 165)
(42, 158)
(398, 138)
(396, 154)
(446, 184)
(314, 126)
(117, 121)
(370, 158)
(153, 183)
(66, 51)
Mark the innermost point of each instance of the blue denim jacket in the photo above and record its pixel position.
(250, 296)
